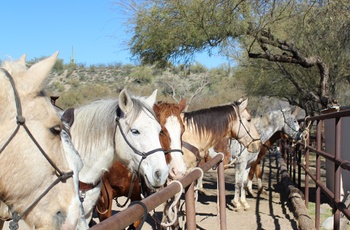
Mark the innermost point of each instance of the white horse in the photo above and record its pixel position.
(267, 125)
(125, 130)
(33, 152)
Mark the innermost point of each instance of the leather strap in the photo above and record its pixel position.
(193, 149)
(87, 186)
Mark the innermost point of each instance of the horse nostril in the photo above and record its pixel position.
(157, 174)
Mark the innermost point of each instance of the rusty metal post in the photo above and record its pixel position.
(337, 172)
(190, 208)
(318, 173)
(222, 195)
(307, 152)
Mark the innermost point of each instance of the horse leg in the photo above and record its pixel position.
(243, 190)
(238, 184)
(252, 172)
(261, 190)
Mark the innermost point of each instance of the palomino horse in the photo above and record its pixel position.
(33, 154)
(267, 125)
(206, 127)
(119, 181)
(126, 130)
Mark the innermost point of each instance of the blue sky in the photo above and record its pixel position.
(94, 29)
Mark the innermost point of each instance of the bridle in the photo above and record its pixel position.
(61, 176)
(285, 121)
(144, 155)
(245, 128)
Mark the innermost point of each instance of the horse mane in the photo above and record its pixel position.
(96, 124)
(214, 120)
(13, 66)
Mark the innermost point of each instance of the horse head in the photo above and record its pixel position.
(243, 129)
(139, 143)
(173, 128)
(31, 150)
(290, 123)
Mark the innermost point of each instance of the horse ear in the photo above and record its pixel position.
(68, 117)
(243, 105)
(296, 111)
(125, 102)
(182, 104)
(41, 70)
(152, 99)
(22, 58)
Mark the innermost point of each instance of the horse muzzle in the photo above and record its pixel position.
(254, 146)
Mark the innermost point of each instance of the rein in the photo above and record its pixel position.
(61, 176)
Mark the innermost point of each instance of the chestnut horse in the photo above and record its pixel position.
(33, 153)
(119, 181)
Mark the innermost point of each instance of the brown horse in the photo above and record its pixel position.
(33, 153)
(255, 167)
(206, 127)
(120, 181)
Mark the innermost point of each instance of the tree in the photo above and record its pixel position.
(305, 42)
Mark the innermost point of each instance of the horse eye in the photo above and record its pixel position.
(134, 131)
(162, 133)
(56, 130)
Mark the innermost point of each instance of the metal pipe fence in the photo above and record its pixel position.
(124, 218)
(329, 140)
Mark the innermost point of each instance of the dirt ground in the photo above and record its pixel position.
(268, 211)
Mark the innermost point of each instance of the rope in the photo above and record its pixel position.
(172, 211)
(196, 189)
(306, 133)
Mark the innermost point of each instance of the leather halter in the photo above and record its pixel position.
(192, 149)
(61, 176)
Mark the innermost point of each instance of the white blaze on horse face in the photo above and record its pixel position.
(247, 133)
(177, 165)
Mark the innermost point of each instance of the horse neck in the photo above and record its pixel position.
(268, 125)
(95, 144)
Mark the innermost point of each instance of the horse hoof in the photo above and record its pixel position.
(236, 205)
(251, 193)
